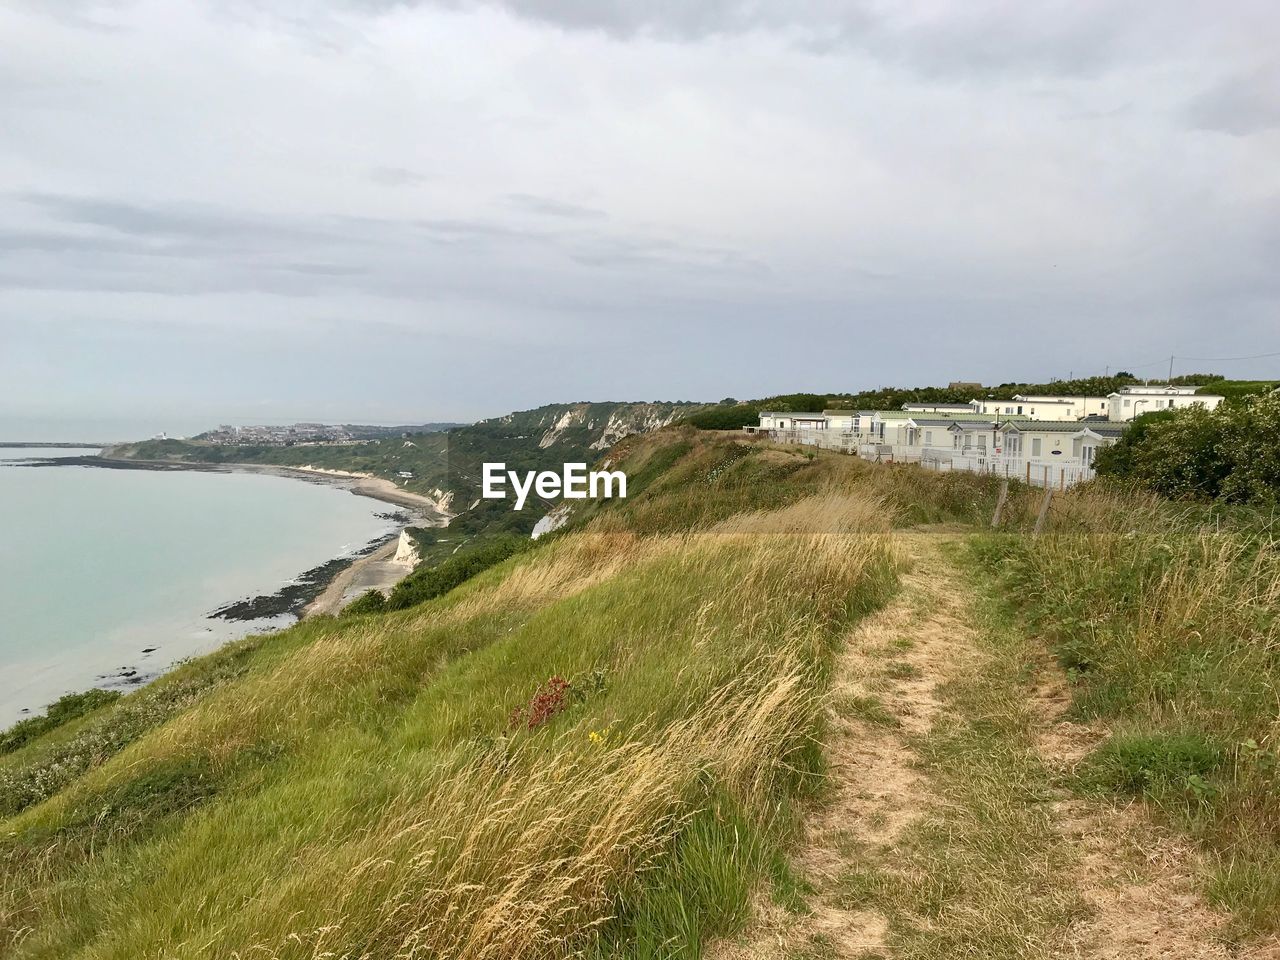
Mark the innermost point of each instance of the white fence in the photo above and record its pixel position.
(1057, 475)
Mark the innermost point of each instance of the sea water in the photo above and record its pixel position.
(99, 565)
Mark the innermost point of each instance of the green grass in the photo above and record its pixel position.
(1154, 764)
(868, 708)
(1166, 619)
(62, 711)
(356, 785)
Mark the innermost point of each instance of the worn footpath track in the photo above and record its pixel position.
(948, 831)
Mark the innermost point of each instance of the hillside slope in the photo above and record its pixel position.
(776, 703)
(583, 747)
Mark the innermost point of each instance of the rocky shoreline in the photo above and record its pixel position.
(296, 596)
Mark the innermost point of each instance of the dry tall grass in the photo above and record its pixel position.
(370, 800)
(525, 860)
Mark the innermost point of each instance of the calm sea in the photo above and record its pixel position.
(98, 565)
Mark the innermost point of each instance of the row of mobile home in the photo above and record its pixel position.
(1041, 439)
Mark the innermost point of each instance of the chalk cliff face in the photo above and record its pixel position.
(406, 550)
(554, 520)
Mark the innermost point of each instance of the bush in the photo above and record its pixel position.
(1231, 453)
(725, 418)
(61, 711)
(371, 601)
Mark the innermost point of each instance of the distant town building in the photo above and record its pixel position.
(278, 436)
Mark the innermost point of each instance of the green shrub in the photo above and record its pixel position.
(423, 584)
(371, 601)
(1231, 453)
(61, 711)
(725, 418)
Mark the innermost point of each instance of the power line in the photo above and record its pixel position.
(1257, 356)
(1141, 366)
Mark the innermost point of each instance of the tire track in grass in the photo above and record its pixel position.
(1137, 880)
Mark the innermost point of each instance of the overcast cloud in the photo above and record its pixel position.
(380, 210)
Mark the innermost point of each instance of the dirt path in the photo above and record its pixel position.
(1138, 881)
(948, 832)
(884, 691)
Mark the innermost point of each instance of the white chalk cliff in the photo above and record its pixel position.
(406, 550)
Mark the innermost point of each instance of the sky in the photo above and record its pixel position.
(381, 211)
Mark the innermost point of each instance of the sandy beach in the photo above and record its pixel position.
(378, 571)
(378, 488)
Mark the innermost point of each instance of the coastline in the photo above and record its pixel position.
(321, 590)
(333, 587)
(362, 574)
(361, 484)
(328, 583)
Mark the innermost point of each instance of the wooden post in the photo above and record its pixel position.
(1044, 511)
(1004, 494)
(1028, 473)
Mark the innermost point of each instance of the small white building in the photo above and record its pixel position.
(974, 438)
(1042, 407)
(842, 420)
(1095, 435)
(792, 421)
(1037, 440)
(909, 435)
(1130, 402)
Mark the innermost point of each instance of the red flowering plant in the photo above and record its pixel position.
(549, 699)
(554, 697)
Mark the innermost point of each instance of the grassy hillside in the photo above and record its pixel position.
(608, 744)
(588, 747)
